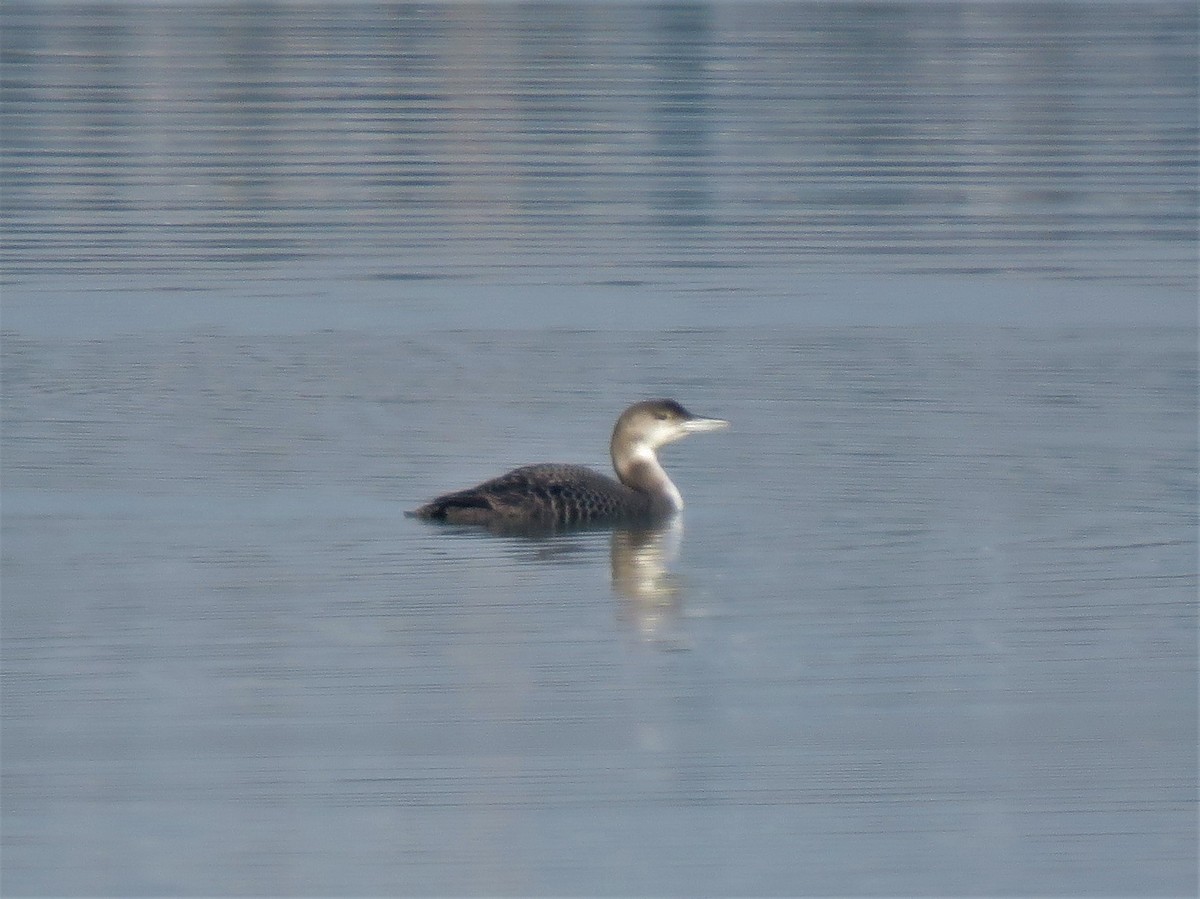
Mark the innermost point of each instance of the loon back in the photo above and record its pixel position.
(551, 494)
(546, 494)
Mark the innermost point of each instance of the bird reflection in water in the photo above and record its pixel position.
(650, 595)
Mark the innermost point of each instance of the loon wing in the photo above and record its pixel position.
(549, 494)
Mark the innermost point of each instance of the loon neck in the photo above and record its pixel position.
(639, 469)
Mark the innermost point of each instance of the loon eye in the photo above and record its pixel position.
(661, 416)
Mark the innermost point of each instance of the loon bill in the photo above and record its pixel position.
(553, 494)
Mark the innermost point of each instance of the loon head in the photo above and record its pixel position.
(640, 431)
(655, 423)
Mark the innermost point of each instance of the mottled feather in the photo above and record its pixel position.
(545, 494)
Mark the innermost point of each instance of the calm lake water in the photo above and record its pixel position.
(273, 274)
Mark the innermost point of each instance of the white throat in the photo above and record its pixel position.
(644, 457)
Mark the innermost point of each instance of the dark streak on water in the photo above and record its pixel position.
(273, 274)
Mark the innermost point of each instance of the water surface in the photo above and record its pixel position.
(274, 274)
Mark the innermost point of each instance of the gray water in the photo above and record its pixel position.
(273, 275)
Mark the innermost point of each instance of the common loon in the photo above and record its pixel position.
(552, 494)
